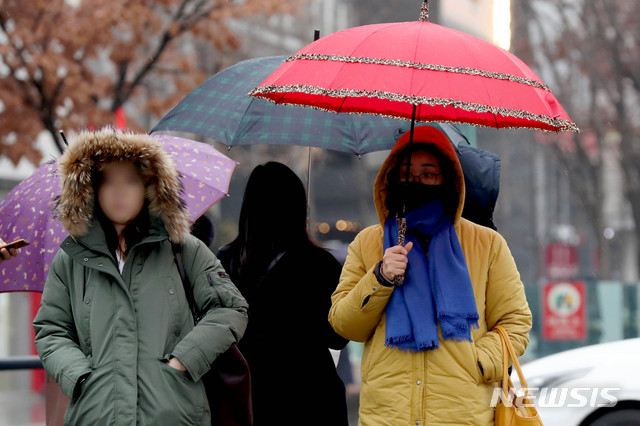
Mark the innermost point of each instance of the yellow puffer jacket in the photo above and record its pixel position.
(444, 385)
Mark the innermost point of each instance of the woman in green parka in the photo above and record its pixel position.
(114, 327)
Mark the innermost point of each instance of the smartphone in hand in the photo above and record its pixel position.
(15, 245)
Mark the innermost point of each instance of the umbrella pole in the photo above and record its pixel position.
(309, 191)
(316, 36)
(402, 219)
(413, 125)
(64, 138)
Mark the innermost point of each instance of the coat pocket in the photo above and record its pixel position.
(90, 400)
(476, 367)
(465, 356)
(184, 398)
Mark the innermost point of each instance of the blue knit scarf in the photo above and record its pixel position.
(436, 289)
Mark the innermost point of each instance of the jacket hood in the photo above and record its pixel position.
(423, 135)
(91, 152)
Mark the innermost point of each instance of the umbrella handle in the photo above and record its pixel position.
(402, 221)
(402, 230)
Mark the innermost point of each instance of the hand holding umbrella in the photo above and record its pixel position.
(394, 261)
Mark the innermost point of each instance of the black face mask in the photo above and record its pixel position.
(414, 195)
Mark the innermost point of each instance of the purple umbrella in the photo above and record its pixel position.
(27, 211)
(205, 172)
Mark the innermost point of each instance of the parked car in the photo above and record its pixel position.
(595, 385)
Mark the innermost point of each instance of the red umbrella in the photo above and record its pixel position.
(388, 69)
(419, 71)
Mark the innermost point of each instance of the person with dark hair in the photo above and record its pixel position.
(204, 230)
(114, 328)
(288, 281)
(426, 309)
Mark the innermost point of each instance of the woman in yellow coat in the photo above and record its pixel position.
(430, 357)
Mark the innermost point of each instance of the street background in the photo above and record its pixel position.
(568, 204)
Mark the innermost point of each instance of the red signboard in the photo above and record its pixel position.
(561, 261)
(565, 312)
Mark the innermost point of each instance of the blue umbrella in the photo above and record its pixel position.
(220, 109)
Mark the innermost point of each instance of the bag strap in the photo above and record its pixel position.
(506, 379)
(188, 289)
(272, 265)
(508, 351)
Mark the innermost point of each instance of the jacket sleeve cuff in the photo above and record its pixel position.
(488, 367)
(77, 391)
(71, 386)
(374, 295)
(194, 361)
(381, 278)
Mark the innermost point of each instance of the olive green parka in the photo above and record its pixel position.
(106, 337)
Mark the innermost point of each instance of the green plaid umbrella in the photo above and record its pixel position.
(220, 109)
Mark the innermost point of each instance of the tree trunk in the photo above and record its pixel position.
(605, 258)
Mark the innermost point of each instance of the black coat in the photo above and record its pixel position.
(288, 337)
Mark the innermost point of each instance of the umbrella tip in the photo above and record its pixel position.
(424, 11)
(64, 138)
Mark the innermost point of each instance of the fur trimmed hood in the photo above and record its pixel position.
(90, 152)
